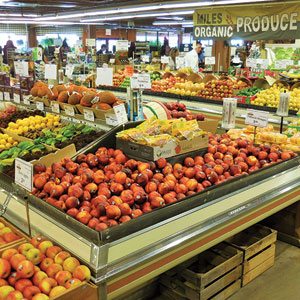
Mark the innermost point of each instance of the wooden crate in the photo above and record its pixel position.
(214, 273)
(258, 246)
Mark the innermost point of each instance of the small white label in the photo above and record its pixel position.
(108, 31)
(50, 71)
(69, 70)
(210, 60)
(69, 110)
(26, 100)
(112, 61)
(164, 59)
(121, 114)
(111, 120)
(40, 106)
(140, 81)
(6, 96)
(257, 118)
(88, 115)
(55, 107)
(1, 96)
(145, 58)
(24, 174)
(21, 68)
(90, 42)
(17, 98)
(104, 76)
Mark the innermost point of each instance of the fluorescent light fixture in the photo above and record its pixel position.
(122, 17)
(12, 15)
(33, 21)
(170, 23)
(170, 18)
(31, 15)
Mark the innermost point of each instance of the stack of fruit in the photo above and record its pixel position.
(125, 83)
(32, 127)
(187, 88)
(118, 78)
(6, 142)
(178, 110)
(269, 97)
(219, 89)
(11, 109)
(164, 84)
(106, 188)
(155, 76)
(7, 235)
(38, 270)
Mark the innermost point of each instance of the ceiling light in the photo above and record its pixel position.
(31, 15)
(170, 23)
(33, 21)
(122, 17)
(12, 15)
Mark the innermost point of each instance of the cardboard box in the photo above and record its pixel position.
(168, 150)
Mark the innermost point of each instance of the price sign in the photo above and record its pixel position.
(90, 42)
(210, 60)
(120, 116)
(122, 45)
(108, 31)
(263, 63)
(55, 107)
(88, 115)
(17, 98)
(21, 68)
(104, 76)
(164, 59)
(69, 70)
(1, 96)
(250, 62)
(40, 106)
(140, 81)
(26, 100)
(69, 110)
(283, 63)
(50, 71)
(112, 61)
(6, 96)
(145, 58)
(257, 118)
(23, 174)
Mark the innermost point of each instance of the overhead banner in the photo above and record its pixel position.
(269, 21)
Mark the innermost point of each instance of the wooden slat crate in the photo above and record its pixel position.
(214, 274)
(258, 246)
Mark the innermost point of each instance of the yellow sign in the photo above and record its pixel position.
(268, 21)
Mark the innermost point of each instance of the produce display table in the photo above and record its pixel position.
(129, 256)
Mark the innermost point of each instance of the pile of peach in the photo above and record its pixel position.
(106, 188)
(38, 270)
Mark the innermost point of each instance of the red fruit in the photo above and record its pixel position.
(161, 163)
(101, 226)
(285, 155)
(232, 150)
(206, 183)
(125, 209)
(86, 196)
(120, 177)
(49, 186)
(72, 167)
(115, 200)
(116, 188)
(57, 191)
(211, 149)
(72, 212)
(104, 191)
(262, 155)
(163, 188)
(146, 207)
(75, 191)
(93, 223)
(92, 160)
(157, 202)
(136, 213)
(183, 180)
(199, 160)
(140, 196)
(200, 188)
(158, 176)
(200, 176)
(39, 168)
(98, 177)
(189, 172)
(142, 179)
(244, 166)
(83, 217)
(219, 169)
(235, 170)
(113, 212)
(153, 195)
(40, 181)
(131, 164)
(81, 158)
(86, 208)
(151, 187)
(96, 212)
(213, 177)
(251, 160)
(208, 157)
(120, 159)
(180, 196)
(273, 157)
(189, 162)
(192, 184)
(168, 169)
(180, 188)
(222, 148)
(242, 143)
(124, 219)
(127, 197)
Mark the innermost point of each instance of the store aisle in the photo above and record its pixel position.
(281, 282)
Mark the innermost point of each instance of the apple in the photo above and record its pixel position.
(44, 245)
(40, 296)
(70, 264)
(16, 259)
(47, 284)
(61, 257)
(82, 273)
(53, 269)
(15, 295)
(34, 255)
(25, 269)
(21, 284)
(38, 277)
(5, 291)
(52, 251)
(62, 277)
(24, 248)
(8, 253)
(72, 282)
(46, 262)
(30, 291)
(58, 290)
(5, 268)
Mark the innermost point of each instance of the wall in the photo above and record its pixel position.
(126, 34)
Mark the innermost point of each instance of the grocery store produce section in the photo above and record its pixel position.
(134, 200)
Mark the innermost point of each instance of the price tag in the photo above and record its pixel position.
(69, 70)
(121, 114)
(104, 76)
(88, 115)
(1, 96)
(90, 42)
(26, 100)
(145, 58)
(6, 96)
(40, 106)
(112, 61)
(55, 107)
(111, 120)
(17, 98)
(21, 68)
(164, 59)
(122, 45)
(140, 81)
(50, 71)
(23, 174)
(69, 110)
(257, 118)
(210, 60)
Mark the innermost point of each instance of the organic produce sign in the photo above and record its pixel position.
(270, 21)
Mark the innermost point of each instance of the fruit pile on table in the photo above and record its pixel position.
(39, 270)
(179, 110)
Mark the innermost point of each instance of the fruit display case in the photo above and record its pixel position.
(131, 254)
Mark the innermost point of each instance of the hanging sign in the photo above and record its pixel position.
(140, 81)
(21, 68)
(90, 42)
(50, 71)
(104, 76)
(210, 60)
(122, 45)
(252, 22)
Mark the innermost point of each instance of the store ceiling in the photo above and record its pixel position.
(105, 12)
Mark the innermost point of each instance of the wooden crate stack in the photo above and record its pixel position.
(258, 246)
(214, 274)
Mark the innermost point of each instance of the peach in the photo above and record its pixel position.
(285, 155)
(189, 172)
(180, 188)
(113, 212)
(273, 157)
(120, 177)
(143, 166)
(136, 213)
(62, 277)
(82, 273)
(25, 269)
(5, 291)
(72, 202)
(47, 284)
(61, 257)
(161, 163)
(83, 216)
(53, 269)
(38, 277)
(8, 253)
(157, 202)
(124, 219)
(72, 282)
(75, 191)
(30, 291)
(70, 264)
(251, 160)
(192, 184)
(189, 162)
(21, 284)
(44, 245)
(15, 295)
(16, 259)
(163, 188)
(40, 181)
(101, 226)
(115, 200)
(73, 212)
(46, 263)
(116, 188)
(262, 155)
(125, 209)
